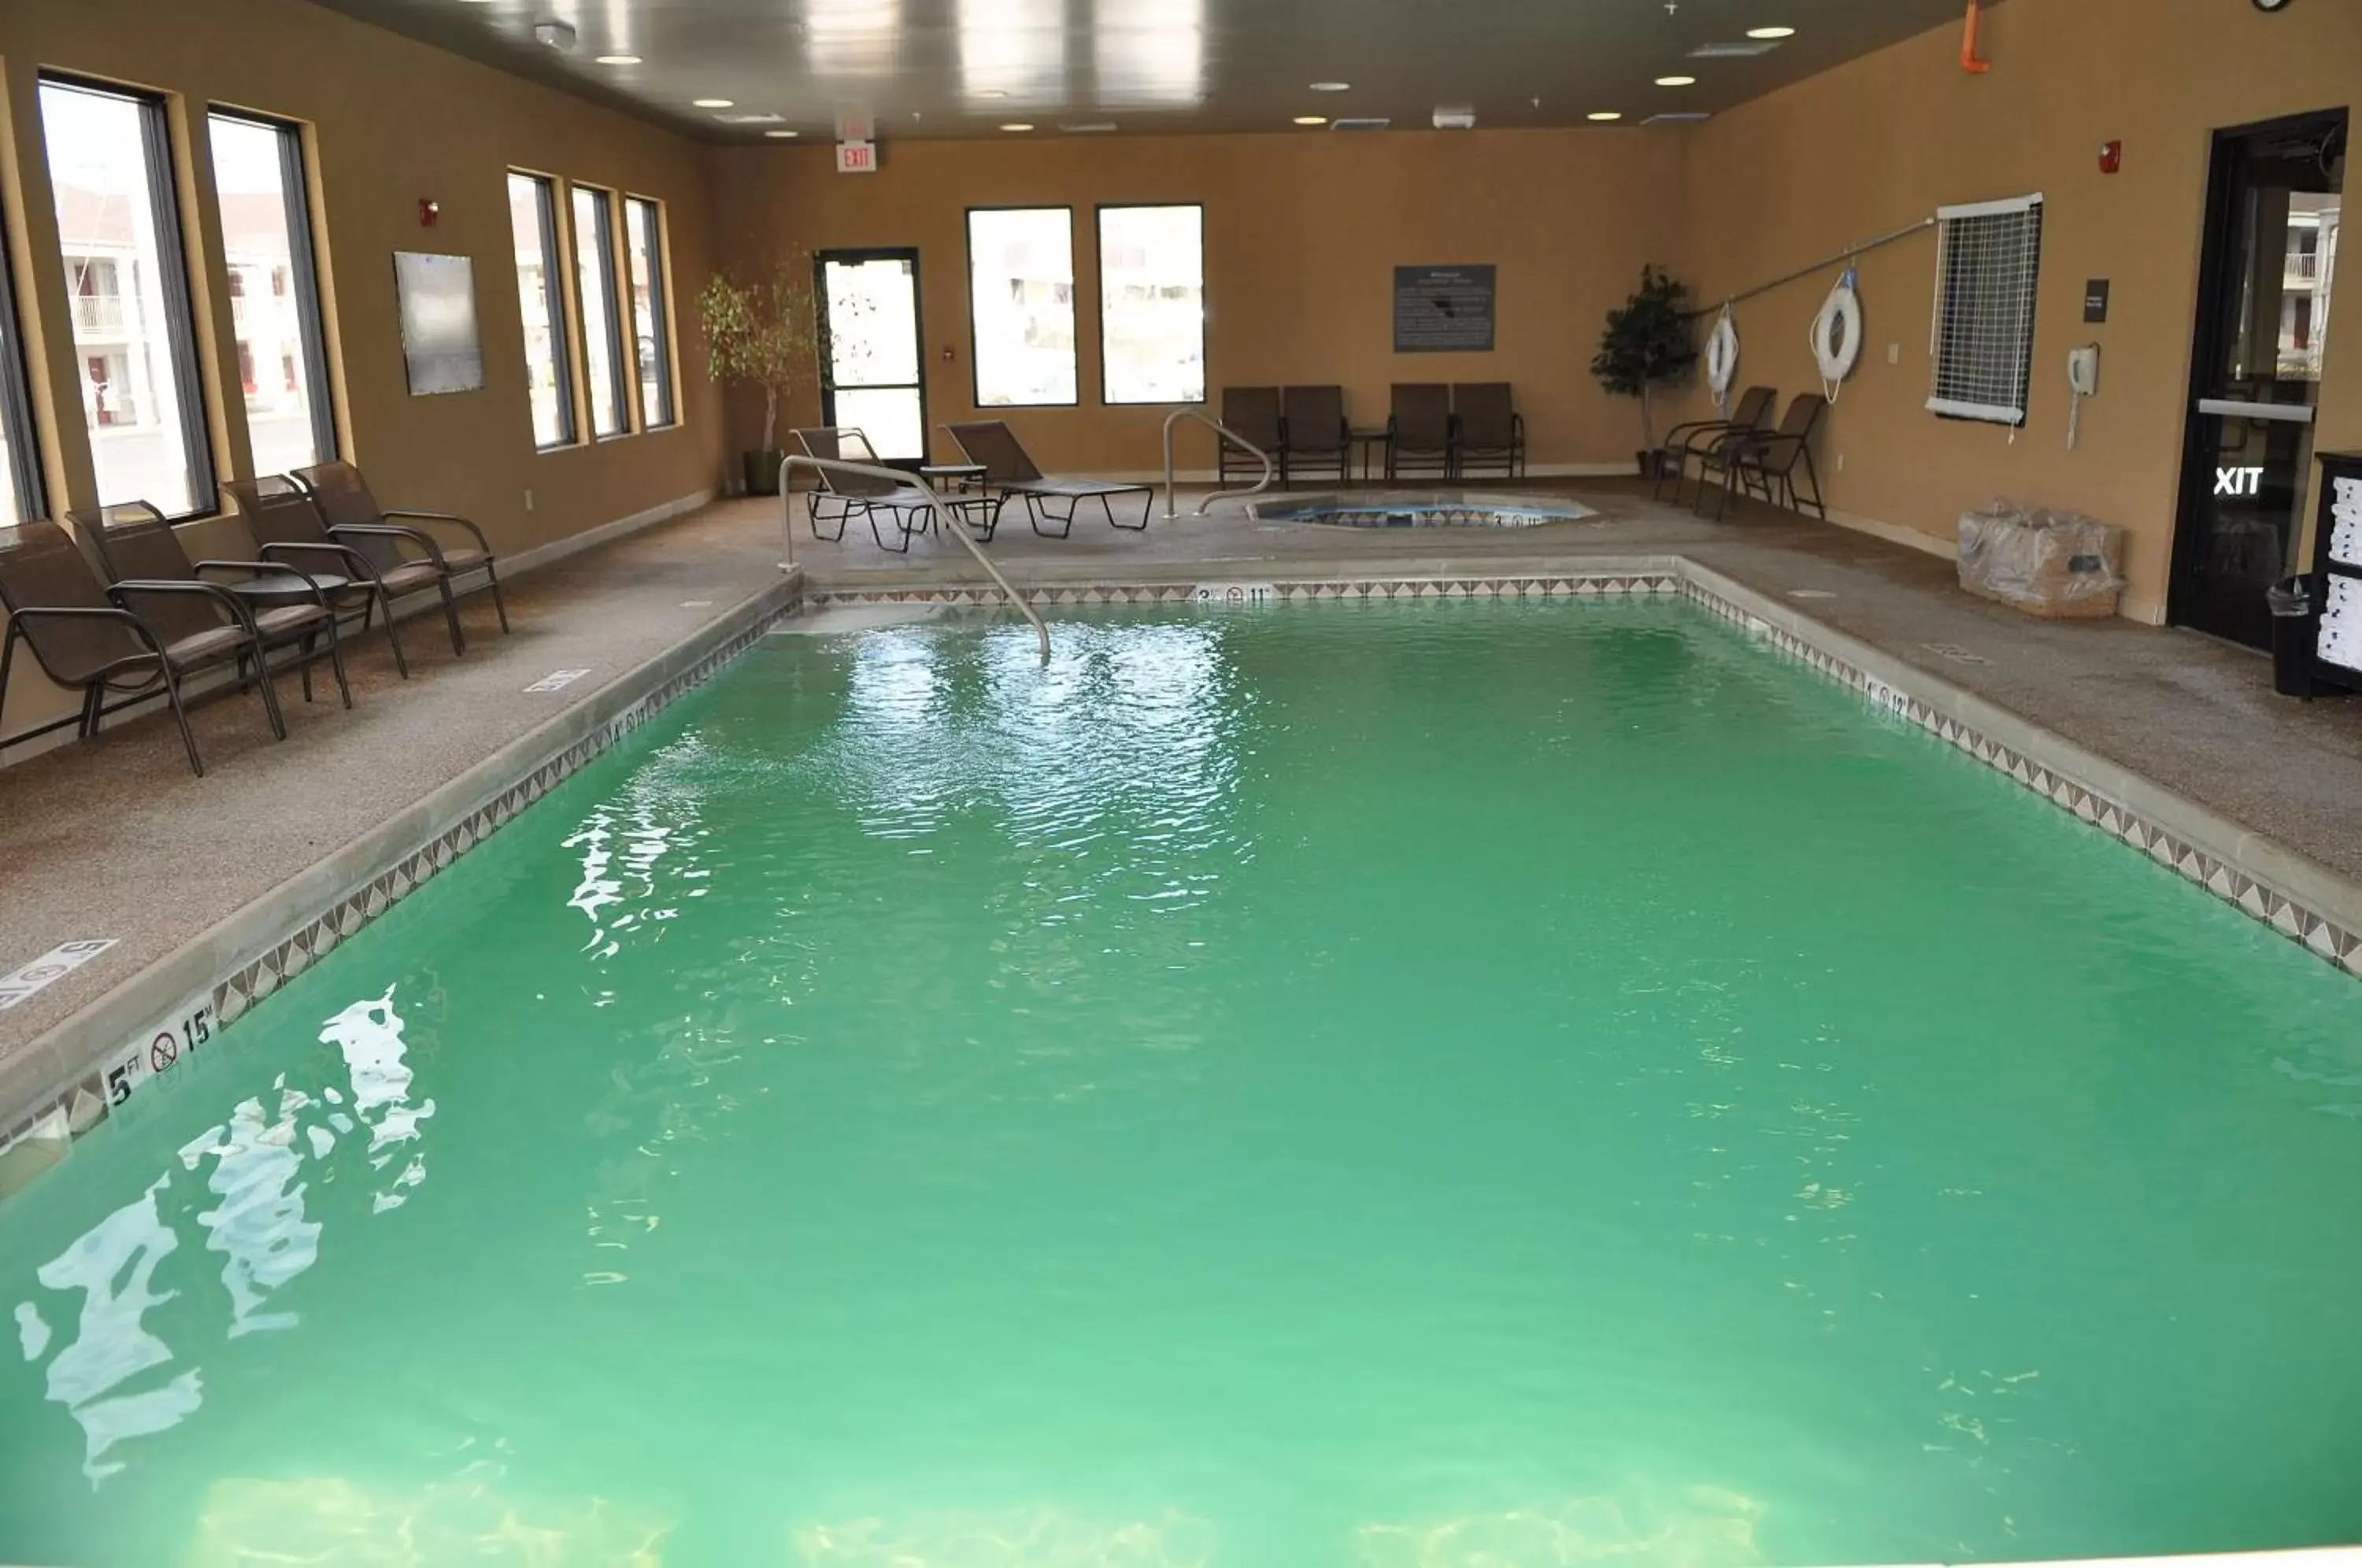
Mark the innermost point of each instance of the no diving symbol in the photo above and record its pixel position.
(164, 1052)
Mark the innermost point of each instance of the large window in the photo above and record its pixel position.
(1152, 304)
(533, 219)
(651, 308)
(274, 292)
(594, 283)
(127, 279)
(20, 465)
(1021, 278)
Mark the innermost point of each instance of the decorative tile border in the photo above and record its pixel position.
(1570, 584)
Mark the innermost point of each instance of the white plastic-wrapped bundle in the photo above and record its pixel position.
(2060, 565)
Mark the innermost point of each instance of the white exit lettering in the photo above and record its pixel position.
(2239, 482)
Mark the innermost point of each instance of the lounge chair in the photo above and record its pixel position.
(1699, 436)
(1316, 434)
(1767, 464)
(1490, 429)
(1418, 431)
(287, 530)
(839, 496)
(992, 445)
(90, 639)
(1253, 414)
(351, 511)
(288, 609)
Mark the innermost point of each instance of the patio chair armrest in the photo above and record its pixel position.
(1687, 428)
(1518, 427)
(271, 568)
(481, 543)
(88, 612)
(131, 587)
(351, 561)
(418, 536)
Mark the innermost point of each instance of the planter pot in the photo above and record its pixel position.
(1645, 465)
(762, 471)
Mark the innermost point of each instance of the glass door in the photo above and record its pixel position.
(869, 337)
(2272, 217)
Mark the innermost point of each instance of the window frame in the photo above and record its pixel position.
(554, 291)
(1098, 241)
(659, 310)
(2034, 209)
(176, 285)
(25, 475)
(303, 271)
(974, 361)
(618, 379)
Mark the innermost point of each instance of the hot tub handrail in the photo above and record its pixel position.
(1224, 433)
(945, 519)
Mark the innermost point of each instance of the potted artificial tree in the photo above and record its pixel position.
(762, 329)
(1647, 342)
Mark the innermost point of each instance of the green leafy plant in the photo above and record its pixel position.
(1648, 342)
(763, 329)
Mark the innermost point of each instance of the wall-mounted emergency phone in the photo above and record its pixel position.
(2082, 382)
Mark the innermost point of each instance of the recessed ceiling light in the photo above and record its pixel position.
(1312, 119)
(1676, 81)
(710, 103)
(1770, 32)
(1603, 116)
(781, 135)
(1333, 86)
(1017, 126)
(619, 60)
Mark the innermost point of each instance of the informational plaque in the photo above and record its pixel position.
(437, 295)
(1443, 309)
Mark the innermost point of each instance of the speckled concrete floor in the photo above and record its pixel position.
(116, 839)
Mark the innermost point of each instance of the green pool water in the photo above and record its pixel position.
(1408, 1086)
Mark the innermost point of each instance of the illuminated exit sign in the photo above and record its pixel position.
(856, 157)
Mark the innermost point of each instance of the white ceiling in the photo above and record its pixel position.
(948, 68)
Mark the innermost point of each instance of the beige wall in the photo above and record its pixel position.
(392, 121)
(1303, 233)
(1870, 146)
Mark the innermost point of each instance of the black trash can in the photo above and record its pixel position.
(2293, 621)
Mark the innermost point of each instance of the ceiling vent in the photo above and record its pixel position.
(1682, 118)
(1365, 122)
(1456, 117)
(750, 119)
(1743, 48)
(559, 35)
(1090, 128)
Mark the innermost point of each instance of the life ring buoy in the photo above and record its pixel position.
(1722, 356)
(1837, 336)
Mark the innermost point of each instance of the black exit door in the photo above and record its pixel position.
(2272, 213)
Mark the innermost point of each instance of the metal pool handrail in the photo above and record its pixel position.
(1225, 432)
(943, 520)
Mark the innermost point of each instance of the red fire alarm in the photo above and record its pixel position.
(2112, 157)
(429, 211)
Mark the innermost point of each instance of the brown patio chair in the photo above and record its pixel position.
(288, 531)
(381, 533)
(1749, 415)
(88, 638)
(1418, 430)
(1009, 471)
(1253, 414)
(135, 543)
(1316, 434)
(1767, 464)
(1488, 426)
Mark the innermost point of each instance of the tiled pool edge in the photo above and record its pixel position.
(257, 949)
(56, 1088)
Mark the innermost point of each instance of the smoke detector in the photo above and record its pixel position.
(559, 35)
(1361, 123)
(1456, 117)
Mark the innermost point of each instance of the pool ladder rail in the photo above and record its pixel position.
(945, 520)
(1223, 432)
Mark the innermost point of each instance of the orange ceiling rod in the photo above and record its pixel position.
(1969, 61)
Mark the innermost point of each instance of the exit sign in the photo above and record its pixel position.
(856, 157)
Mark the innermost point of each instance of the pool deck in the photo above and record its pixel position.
(117, 840)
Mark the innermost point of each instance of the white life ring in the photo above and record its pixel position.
(1837, 335)
(1722, 356)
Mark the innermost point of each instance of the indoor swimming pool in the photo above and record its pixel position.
(1371, 1085)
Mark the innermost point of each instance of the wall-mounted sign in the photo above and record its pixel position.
(856, 157)
(1442, 310)
(2095, 300)
(437, 300)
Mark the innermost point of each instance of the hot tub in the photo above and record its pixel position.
(1421, 509)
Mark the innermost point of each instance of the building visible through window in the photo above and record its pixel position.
(267, 238)
(1153, 304)
(651, 308)
(533, 221)
(1021, 292)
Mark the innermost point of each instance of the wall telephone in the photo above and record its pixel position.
(2082, 382)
